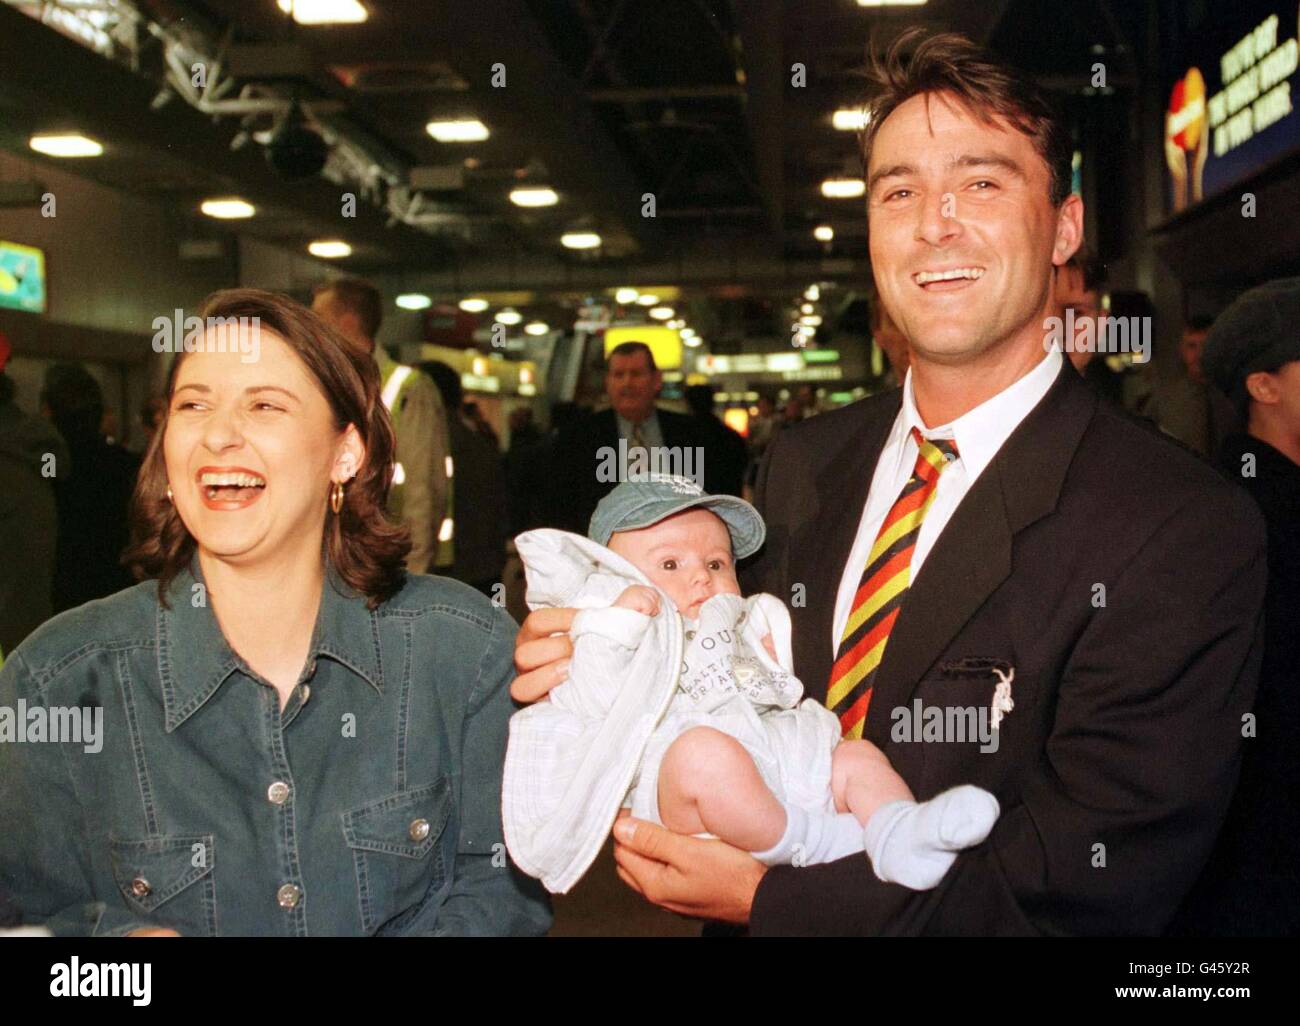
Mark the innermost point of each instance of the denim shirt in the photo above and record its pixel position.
(371, 804)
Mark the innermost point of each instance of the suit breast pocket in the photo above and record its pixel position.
(396, 850)
(168, 881)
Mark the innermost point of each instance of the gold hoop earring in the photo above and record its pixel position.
(169, 495)
(336, 497)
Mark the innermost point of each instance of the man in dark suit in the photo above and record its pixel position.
(595, 453)
(994, 544)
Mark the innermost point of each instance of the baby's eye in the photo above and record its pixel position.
(717, 564)
(668, 564)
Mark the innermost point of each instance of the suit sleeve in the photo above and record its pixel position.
(1120, 814)
(761, 572)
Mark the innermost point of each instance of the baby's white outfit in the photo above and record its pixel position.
(636, 683)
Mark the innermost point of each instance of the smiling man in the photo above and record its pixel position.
(1042, 560)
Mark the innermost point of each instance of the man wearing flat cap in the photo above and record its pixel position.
(1251, 886)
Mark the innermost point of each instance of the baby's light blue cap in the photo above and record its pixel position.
(637, 504)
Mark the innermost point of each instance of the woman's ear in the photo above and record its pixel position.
(350, 455)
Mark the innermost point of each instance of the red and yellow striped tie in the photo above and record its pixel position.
(882, 588)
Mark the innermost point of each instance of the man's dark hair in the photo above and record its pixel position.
(75, 400)
(359, 296)
(630, 349)
(700, 399)
(1092, 269)
(448, 382)
(950, 63)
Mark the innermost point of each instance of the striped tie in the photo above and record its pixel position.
(882, 588)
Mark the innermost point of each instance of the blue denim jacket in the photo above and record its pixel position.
(370, 804)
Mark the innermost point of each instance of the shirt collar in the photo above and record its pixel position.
(194, 658)
(625, 426)
(979, 433)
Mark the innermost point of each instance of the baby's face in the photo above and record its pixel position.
(687, 555)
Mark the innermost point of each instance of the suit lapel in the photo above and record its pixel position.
(973, 554)
(822, 546)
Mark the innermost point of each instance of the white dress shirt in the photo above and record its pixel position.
(979, 435)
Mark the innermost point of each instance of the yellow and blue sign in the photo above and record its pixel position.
(22, 277)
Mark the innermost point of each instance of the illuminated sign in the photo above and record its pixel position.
(1230, 110)
(22, 277)
(665, 343)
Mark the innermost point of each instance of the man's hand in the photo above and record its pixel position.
(153, 931)
(542, 660)
(686, 875)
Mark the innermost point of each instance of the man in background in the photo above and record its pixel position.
(1185, 406)
(31, 453)
(723, 446)
(1251, 886)
(419, 493)
(1080, 282)
(632, 382)
(93, 491)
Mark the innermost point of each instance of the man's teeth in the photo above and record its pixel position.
(973, 273)
(232, 481)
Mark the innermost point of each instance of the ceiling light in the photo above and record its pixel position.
(462, 131)
(324, 12)
(662, 313)
(537, 327)
(692, 342)
(329, 249)
(849, 119)
(843, 188)
(65, 144)
(678, 323)
(473, 305)
(580, 240)
(811, 320)
(812, 293)
(891, 3)
(625, 296)
(228, 208)
(648, 300)
(509, 316)
(688, 332)
(806, 308)
(823, 233)
(534, 196)
(414, 301)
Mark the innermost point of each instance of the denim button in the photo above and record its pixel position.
(418, 830)
(278, 793)
(288, 895)
(306, 688)
(141, 887)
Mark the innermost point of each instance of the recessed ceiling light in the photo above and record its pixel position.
(329, 249)
(812, 293)
(811, 320)
(662, 313)
(677, 323)
(509, 316)
(692, 342)
(843, 188)
(324, 12)
(647, 300)
(849, 119)
(807, 308)
(891, 3)
(533, 196)
(65, 144)
(227, 208)
(823, 233)
(580, 240)
(536, 328)
(688, 332)
(414, 301)
(626, 295)
(473, 305)
(461, 131)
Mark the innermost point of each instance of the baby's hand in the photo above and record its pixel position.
(639, 597)
(770, 645)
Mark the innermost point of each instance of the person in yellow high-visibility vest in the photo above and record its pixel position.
(419, 494)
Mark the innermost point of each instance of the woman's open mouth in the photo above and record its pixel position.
(229, 488)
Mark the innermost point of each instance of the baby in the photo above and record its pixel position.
(735, 754)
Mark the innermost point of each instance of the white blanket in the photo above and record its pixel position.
(635, 684)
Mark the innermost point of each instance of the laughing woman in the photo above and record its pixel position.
(294, 737)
